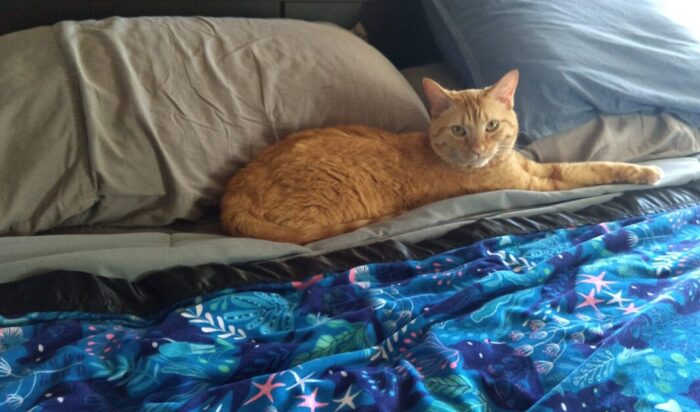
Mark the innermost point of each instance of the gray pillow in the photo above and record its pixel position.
(45, 175)
(626, 138)
(163, 110)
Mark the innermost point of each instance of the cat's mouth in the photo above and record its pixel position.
(479, 162)
(466, 161)
(470, 160)
(462, 157)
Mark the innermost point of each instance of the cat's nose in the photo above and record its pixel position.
(478, 152)
(477, 148)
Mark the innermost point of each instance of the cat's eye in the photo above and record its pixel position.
(492, 125)
(459, 130)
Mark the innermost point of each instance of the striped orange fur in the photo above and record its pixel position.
(323, 182)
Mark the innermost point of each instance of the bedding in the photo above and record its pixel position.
(508, 300)
(45, 174)
(569, 318)
(134, 254)
(576, 59)
(624, 138)
(139, 122)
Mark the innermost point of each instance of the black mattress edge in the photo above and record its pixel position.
(63, 291)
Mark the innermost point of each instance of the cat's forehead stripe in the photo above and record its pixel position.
(472, 108)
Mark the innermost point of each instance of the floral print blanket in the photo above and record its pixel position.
(602, 317)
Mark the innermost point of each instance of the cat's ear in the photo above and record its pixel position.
(504, 89)
(438, 97)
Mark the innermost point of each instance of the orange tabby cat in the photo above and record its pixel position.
(324, 182)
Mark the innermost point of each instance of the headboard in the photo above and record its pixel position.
(396, 27)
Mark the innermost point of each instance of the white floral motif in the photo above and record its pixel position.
(5, 368)
(578, 337)
(543, 367)
(539, 335)
(536, 325)
(596, 368)
(515, 263)
(14, 400)
(524, 351)
(552, 349)
(212, 325)
(10, 337)
(516, 335)
(664, 263)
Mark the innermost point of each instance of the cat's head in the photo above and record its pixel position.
(470, 128)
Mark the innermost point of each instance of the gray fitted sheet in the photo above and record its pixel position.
(132, 255)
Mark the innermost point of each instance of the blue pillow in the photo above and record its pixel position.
(577, 59)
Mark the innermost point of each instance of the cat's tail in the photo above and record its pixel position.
(245, 224)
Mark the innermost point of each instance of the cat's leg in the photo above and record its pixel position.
(543, 184)
(557, 176)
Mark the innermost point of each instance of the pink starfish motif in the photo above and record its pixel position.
(616, 298)
(589, 300)
(597, 281)
(352, 275)
(265, 390)
(311, 402)
(630, 309)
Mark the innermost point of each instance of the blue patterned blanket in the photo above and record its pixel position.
(603, 317)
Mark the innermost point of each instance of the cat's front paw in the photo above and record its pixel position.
(649, 175)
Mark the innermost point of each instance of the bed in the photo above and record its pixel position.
(121, 122)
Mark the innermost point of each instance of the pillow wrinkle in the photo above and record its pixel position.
(172, 106)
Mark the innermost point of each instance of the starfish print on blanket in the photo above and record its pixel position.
(265, 390)
(311, 402)
(598, 281)
(589, 300)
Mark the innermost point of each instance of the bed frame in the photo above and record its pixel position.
(396, 27)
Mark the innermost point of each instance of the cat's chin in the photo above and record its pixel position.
(469, 164)
(478, 164)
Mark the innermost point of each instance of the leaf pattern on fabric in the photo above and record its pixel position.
(453, 386)
(216, 326)
(590, 318)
